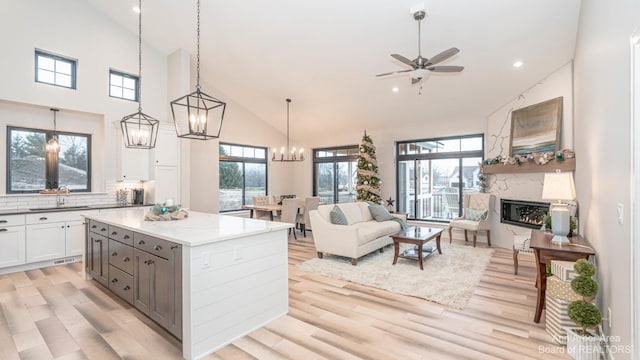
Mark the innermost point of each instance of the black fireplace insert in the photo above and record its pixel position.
(523, 213)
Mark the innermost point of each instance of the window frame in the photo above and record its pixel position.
(244, 160)
(52, 163)
(71, 61)
(123, 74)
(335, 160)
(460, 155)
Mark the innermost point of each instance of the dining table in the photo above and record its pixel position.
(271, 208)
(265, 207)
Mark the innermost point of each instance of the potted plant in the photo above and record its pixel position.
(583, 343)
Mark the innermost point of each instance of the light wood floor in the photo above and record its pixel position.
(53, 314)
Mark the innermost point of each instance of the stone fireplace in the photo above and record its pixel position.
(529, 214)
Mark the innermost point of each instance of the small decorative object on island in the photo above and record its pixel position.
(368, 180)
(583, 344)
(162, 212)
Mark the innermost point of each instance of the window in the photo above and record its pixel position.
(30, 168)
(434, 174)
(243, 175)
(55, 70)
(335, 174)
(123, 86)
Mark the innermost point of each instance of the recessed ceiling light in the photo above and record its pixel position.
(136, 9)
(518, 64)
(395, 89)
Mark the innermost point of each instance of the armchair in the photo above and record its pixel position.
(475, 205)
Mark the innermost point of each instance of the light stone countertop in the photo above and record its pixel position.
(197, 229)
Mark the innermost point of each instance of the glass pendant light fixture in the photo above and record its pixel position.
(288, 154)
(198, 115)
(53, 146)
(139, 130)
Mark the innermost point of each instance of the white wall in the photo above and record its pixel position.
(602, 112)
(75, 29)
(526, 186)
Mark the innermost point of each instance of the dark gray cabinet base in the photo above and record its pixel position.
(144, 271)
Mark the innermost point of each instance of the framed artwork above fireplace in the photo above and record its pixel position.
(536, 128)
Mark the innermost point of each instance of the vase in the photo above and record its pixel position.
(583, 347)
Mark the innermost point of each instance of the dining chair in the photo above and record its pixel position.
(259, 214)
(289, 212)
(310, 203)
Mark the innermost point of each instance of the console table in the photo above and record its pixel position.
(546, 251)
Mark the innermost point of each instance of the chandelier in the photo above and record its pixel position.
(198, 115)
(287, 154)
(139, 130)
(53, 146)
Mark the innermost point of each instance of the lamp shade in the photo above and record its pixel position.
(558, 186)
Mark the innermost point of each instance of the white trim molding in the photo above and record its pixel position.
(635, 187)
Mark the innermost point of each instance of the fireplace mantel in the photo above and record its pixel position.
(551, 166)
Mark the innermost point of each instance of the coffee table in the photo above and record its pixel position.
(416, 235)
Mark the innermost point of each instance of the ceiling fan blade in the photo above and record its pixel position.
(443, 56)
(404, 60)
(446, 68)
(394, 72)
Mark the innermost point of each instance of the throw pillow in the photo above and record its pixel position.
(379, 212)
(475, 214)
(337, 216)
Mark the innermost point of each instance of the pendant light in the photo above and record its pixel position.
(198, 115)
(286, 154)
(53, 146)
(139, 130)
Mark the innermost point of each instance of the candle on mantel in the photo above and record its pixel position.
(168, 202)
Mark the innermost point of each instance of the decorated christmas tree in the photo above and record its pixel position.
(368, 180)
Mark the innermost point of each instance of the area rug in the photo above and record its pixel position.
(448, 279)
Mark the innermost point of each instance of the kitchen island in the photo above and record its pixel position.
(232, 272)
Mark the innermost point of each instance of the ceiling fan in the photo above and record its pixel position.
(421, 66)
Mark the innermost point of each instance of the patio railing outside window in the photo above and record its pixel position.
(434, 174)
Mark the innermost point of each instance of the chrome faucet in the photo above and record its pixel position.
(59, 199)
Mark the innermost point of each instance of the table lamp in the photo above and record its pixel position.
(559, 186)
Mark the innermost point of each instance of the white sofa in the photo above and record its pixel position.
(362, 235)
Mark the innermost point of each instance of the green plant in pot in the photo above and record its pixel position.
(573, 224)
(583, 312)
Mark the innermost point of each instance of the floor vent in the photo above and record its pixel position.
(64, 261)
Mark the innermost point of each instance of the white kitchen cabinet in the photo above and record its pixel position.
(54, 235)
(166, 184)
(132, 164)
(74, 238)
(12, 246)
(46, 241)
(166, 150)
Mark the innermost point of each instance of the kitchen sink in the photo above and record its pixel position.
(60, 208)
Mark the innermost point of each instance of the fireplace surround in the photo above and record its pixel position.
(529, 214)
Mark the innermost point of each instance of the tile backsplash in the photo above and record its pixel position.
(27, 201)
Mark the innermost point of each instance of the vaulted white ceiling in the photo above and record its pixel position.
(325, 55)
